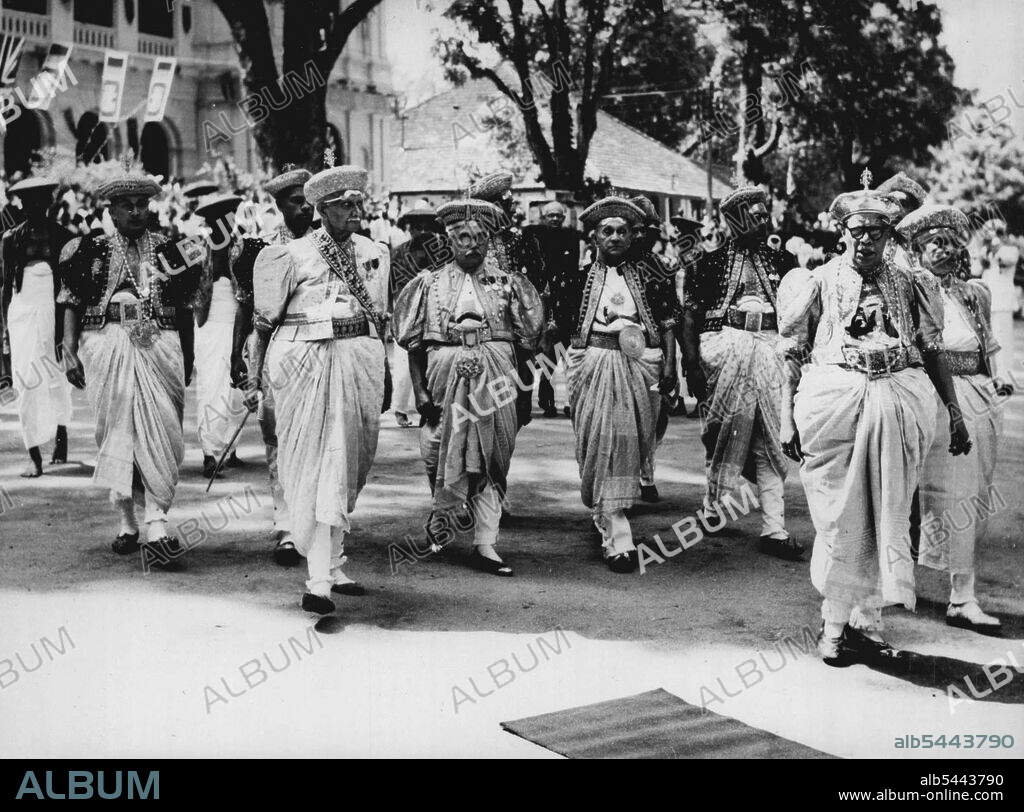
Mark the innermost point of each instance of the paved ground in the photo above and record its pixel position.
(149, 659)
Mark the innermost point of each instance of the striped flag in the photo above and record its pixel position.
(10, 55)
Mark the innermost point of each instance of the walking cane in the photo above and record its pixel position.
(227, 450)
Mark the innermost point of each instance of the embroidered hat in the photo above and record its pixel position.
(901, 182)
(491, 187)
(289, 176)
(936, 218)
(132, 181)
(459, 211)
(744, 196)
(645, 205)
(611, 207)
(331, 184)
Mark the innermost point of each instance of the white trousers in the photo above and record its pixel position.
(616, 533)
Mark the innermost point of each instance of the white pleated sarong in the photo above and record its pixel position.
(219, 406)
(327, 397)
(44, 394)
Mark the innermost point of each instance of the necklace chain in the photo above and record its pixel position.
(145, 252)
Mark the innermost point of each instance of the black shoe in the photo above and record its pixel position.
(623, 562)
(565, 411)
(833, 651)
(490, 566)
(233, 461)
(209, 466)
(788, 549)
(649, 493)
(163, 554)
(126, 544)
(550, 411)
(317, 603)
(352, 589)
(865, 649)
(286, 555)
(60, 447)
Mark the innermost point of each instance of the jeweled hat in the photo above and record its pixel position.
(744, 196)
(611, 207)
(645, 205)
(865, 201)
(199, 188)
(936, 218)
(133, 181)
(901, 182)
(34, 184)
(491, 187)
(332, 182)
(289, 176)
(214, 207)
(459, 211)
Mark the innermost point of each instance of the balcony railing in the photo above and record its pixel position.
(156, 46)
(95, 36)
(30, 26)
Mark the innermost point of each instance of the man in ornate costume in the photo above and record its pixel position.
(730, 333)
(909, 196)
(324, 297)
(129, 335)
(215, 308)
(426, 249)
(297, 217)
(860, 416)
(470, 330)
(622, 347)
(939, 235)
(29, 285)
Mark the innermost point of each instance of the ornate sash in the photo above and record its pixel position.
(343, 265)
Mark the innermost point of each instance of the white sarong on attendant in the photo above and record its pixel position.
(219, 406)
(44, 394)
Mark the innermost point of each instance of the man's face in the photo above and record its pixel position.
(866, 235)
(130, 214)
(469, 243)
(35, 203)
(344, 215)
(938, 250)
(295, 209)
(420, 230)
(552, 216)
(613, 237)
(749, 222)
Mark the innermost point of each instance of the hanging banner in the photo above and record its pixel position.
(159, 88)
(115, 68)
(52, 76)
(10, 55)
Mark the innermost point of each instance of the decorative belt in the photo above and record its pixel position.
(604, 341)
(351, 328)
(631, 340)
(968, 362)
(751, 322)
(129, 313)
(876, 363)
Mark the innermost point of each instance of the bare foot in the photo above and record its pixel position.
(32, 471)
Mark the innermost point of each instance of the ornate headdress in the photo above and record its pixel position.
(611, 207)
(744, 196)
(491, 187)
(331, 183)
(460, 211)
(132, 181)
(290, 175)
(865, 201)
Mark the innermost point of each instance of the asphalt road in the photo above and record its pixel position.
(156, 664)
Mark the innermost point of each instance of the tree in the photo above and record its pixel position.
(881, 93)
(979, 170)
(314, 34)
(564, 50)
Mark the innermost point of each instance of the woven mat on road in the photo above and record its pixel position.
(654, 724)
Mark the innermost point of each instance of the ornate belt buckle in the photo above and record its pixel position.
(470, 337)
(752, 321)
(632, 341)
(879, 364)
(129, 312)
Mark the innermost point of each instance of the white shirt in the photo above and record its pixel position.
(616, 300)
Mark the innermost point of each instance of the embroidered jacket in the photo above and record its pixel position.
(296, 285)
(425, 310)
(976, 299)
(88, 282)
(649, 282)
(243, 259)
(815, 308)
(711, 283)
(409, 260)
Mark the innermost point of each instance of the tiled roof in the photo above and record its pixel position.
(445, 137)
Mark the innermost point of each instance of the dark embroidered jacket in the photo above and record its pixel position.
(408, 260)
(712, 281)
(574, 305)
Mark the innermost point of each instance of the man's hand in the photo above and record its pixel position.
(959, 439)
(668, 382)
(697, 383)
(251, 393)
(76, 372)
(388, 387)
(1003, 388)
(790, 438)
(429, 411)
(239, 372)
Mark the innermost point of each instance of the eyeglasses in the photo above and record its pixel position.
(873, 232)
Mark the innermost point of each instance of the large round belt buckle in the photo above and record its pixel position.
(143, 333)
(469, 367)
(632, 341)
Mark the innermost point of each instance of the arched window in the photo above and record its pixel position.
(155, 150)
(31, 6)
(95, 12)
(156, 18)
(91, 143)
